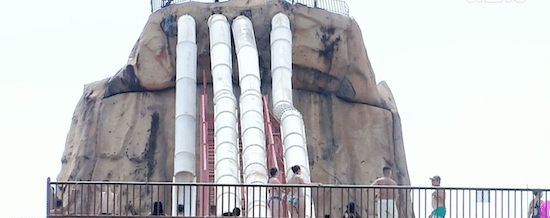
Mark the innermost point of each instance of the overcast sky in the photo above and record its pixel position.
(471, 81)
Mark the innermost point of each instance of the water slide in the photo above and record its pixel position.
(225, 115)
(252, 116)
(186, 115)
(293, 129)
(227, 169)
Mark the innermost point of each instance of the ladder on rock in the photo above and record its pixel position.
(207, 195)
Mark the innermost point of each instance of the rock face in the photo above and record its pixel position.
(123, 126)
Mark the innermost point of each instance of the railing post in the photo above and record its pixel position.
(48, 193)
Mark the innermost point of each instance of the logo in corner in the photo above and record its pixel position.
(495, 1)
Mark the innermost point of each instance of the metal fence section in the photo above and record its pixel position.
(334, 6)
(135, 199)
(158, 4)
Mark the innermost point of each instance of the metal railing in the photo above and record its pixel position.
(334, 6)
(158, 4)
(135, 199)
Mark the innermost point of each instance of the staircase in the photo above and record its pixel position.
(241, 174)
(207, 195)
(207, 158)
(273, 142)
(274, 146)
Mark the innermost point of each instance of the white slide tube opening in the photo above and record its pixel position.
(293, 128)
(225, 119)
(186, 104)
(252, 117)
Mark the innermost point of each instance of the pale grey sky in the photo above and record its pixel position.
(471, 81)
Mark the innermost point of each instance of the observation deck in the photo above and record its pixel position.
(334, 6)
(142, 199)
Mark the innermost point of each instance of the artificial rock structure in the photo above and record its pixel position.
(124, 127)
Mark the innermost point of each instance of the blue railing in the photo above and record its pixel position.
(334, 6)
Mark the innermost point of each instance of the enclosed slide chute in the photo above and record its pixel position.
(225, 118)
(252, 117)
(186, 116)
(292, 122)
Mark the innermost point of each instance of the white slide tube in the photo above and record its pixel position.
(225, 118)
(186, 114)
(293, 129)
(281, 64)
(252, 117)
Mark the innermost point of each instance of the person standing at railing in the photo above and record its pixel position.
(387, 198)
(296, 196)
(275, 200)
(438, 199)
(534, 206)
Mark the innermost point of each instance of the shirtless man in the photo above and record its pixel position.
(438, 199)
(387, 197)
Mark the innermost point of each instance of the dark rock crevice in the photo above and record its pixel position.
(329, 45)
(314, 80)
(151, 146)
(169, 26)
(331, 146)
(124, 81)
(345, 90)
